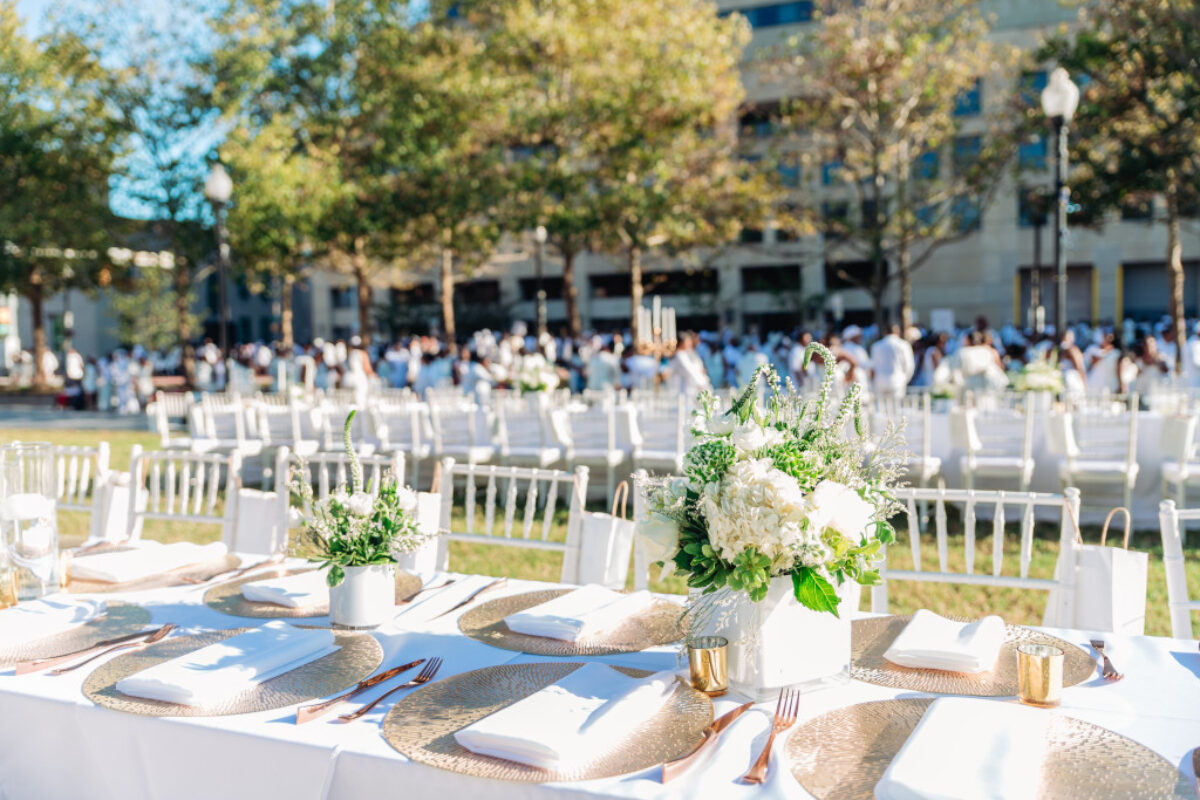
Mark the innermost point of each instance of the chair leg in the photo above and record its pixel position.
(612, 485)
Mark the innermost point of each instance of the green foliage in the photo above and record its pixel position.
(146, 312)
(707, 461)
(813, 591)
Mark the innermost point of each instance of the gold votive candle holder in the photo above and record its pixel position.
(8, 586)
(64, 568)
(1040, 674)
(708, 664)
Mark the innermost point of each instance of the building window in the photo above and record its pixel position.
(477, 292)
(610, 284)
(967, 214)
(789, 172)
(836, 217)
(418, 295)
(552, 286)
(1137, 209)
(699, 281)
(342, 297)
(847, 274)
(1032, 84)
(1032, 153)
(751, 236)
(868, 213)
(966, 152)
(773, 278)
(768, 16)
(1033, 207)
(829, 171)
(927, 166)
(759, 122)
(970, 102)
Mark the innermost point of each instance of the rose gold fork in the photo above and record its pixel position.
(1107, 670)
(232, 574)
(425, 676)
(786, 711)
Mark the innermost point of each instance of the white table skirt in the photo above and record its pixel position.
(55, 744)
(1147, 492)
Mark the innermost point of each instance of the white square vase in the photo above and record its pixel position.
(365, 599)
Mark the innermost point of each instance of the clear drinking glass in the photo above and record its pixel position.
(28, 517)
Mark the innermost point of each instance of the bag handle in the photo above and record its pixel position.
(621, 496)
(1108, 520)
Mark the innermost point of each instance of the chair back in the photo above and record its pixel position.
(514, 507)
(256, 522)
(182, 486)
(973, 501)
(1171, 522)
(327, 471)
(78, 471)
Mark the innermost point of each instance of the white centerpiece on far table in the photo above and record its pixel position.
(779, 518)
(358, 536)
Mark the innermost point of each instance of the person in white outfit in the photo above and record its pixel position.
(604, 369)
(748, 363)
(687, 368)
(852, 346)
(892, 364)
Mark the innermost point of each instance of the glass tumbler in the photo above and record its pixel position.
(28, 517)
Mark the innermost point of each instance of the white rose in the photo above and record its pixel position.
(839, 507)
(750, 437)
(361, 504)
(722, 425)
(658, 538)
(406, 498)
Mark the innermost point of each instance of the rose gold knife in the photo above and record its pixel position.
(673, 769)
(308, 713)
(496, 584)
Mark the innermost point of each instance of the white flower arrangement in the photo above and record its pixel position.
(1041, 374)
(355, 527)
(536, 375)
(788, 488)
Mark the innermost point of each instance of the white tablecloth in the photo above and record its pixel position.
(55, 744)
(1147, 492)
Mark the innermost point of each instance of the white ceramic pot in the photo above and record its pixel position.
(779, 644)
(366, 597)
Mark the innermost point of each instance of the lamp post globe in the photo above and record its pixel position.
(1060, 101)
(218, 188)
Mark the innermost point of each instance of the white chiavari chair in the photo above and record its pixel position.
(226, 427)
(594, 440)
(518, 508)
(1172, 521)
(462, 430)
(973, 501)
(1180, 467)
(996, 445)
(1097, 444)
(79, 472)
(661, 436)
(183, 487)
(914, 412)
(524, 433)
(326, 472)
(405, 427)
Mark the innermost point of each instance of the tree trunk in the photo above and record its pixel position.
(183, 329)
(287, 338)
(904, 269)
(571, 295)
(40, 379)
(880, 279)
(448, 326)
(364, 289)
(635, 292)
(1175, 266)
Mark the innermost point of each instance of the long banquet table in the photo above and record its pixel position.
(54, 743)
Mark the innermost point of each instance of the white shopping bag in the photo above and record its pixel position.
(1110, 586)
(423, 562)
(606, 543)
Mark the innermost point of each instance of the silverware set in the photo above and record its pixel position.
(496, 584)
(425, 676)
(1107, 670)
(129, 640)
(233, 574)
(309, 713)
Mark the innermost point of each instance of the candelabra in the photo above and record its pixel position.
(657, 335)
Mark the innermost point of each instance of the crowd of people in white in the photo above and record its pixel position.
(1137, 358)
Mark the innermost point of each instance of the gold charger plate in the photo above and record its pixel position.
(227, 597)
(358, 657)
(164, 580)
(843, 754)
(117, 620)
(871, 637)
(422, 725)
(655, 626)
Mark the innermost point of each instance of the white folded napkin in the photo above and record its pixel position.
(430, 605)
(967, 749)
(37, 619)
(305, 590)
(585, 612)
(930, 641)
(26, 506)
(212, 674)
(147, 559)
(572, 722)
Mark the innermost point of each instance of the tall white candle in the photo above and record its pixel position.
(656, 324)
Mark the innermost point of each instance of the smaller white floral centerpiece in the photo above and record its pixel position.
(1041, 374)
(357, 534)
(536, 375)
(782, 509)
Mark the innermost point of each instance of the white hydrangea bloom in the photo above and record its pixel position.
(361, 504)
(759, 506)
(749, 437)
(406, 498)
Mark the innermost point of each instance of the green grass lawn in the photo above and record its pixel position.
(1015, 605)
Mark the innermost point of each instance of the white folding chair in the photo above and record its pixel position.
(405, 426)
(1097, 446)
(183, 487)
(1172, 521)
(1067, 504)
(518, 508)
